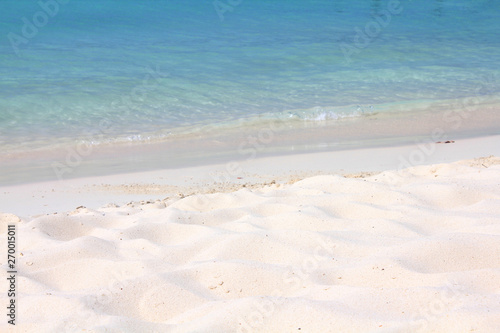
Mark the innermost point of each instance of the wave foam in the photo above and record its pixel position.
(319, 113)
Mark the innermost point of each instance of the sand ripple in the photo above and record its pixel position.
(415, 250)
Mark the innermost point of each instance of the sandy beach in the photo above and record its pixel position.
(250, 166)
(353, 241)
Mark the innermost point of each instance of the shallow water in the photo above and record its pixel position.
(142, 71)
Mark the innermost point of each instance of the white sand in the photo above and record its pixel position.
(403, 250)
(33, 199)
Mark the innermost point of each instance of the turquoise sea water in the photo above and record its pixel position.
(142, 70)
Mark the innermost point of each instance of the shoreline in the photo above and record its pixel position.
(57, 196)
(265, 138)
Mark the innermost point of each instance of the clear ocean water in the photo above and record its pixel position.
(146, 70)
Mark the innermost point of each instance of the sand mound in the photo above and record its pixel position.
(416, 249)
